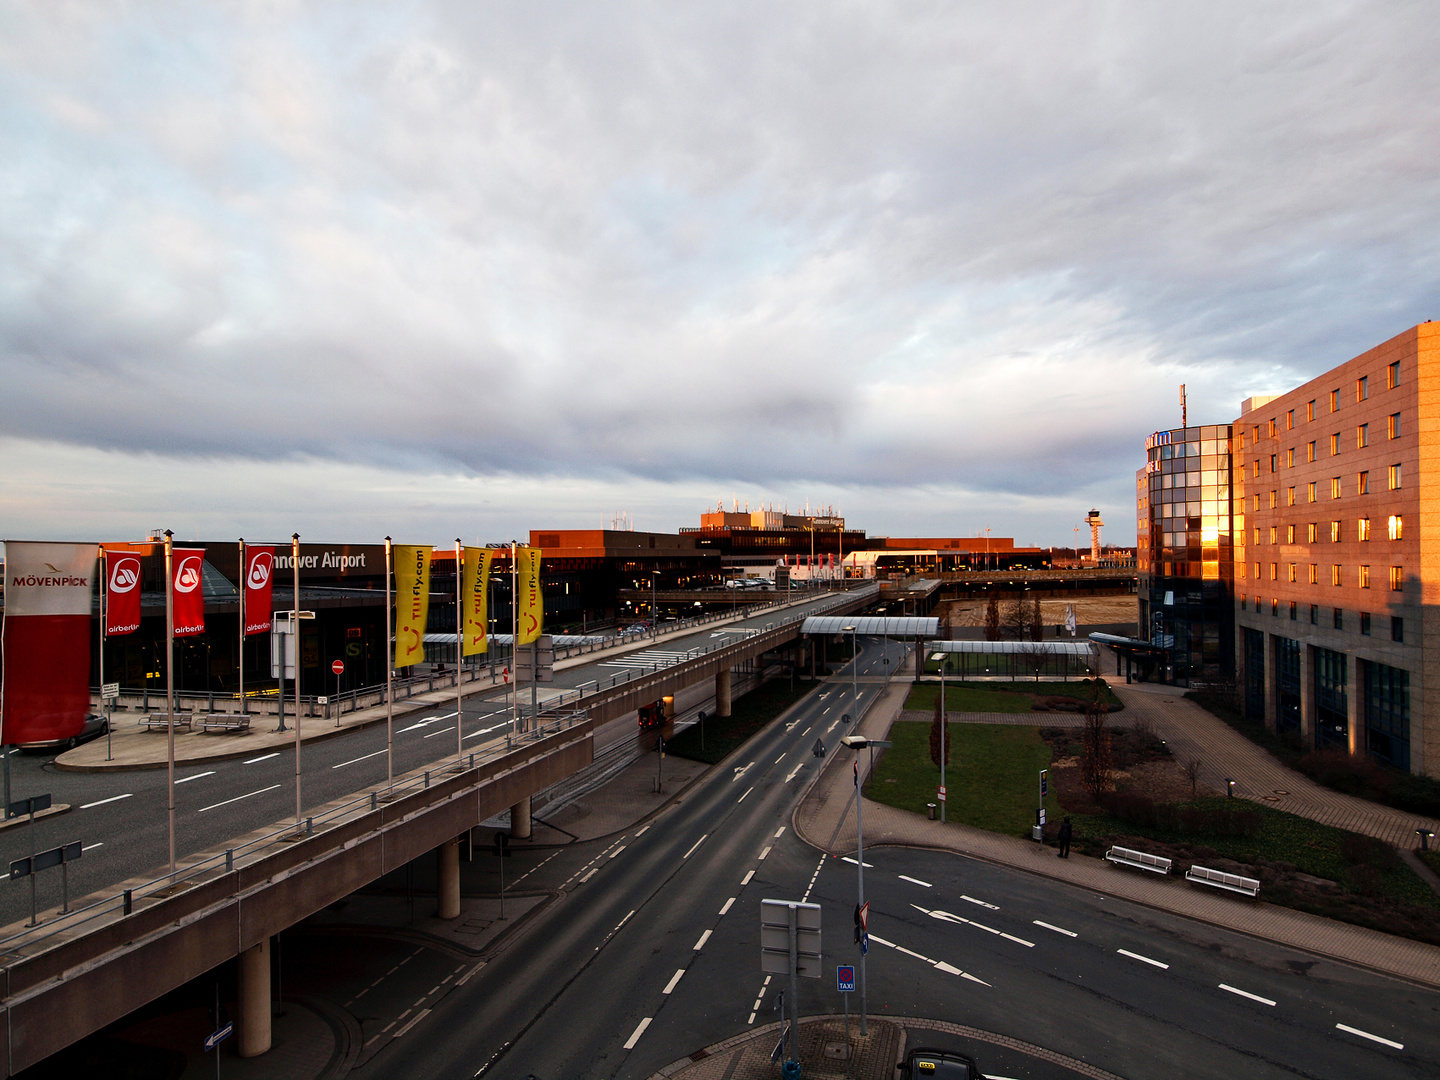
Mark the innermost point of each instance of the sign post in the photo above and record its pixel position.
(790, 945)
(338, 667)
(845, 983)
(1038, 831)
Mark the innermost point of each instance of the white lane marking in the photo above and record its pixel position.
(982, 903)
(946, 916)
(617, 851)
(742, 797)
(1246, 994)
(868, 866)
(352, 761)
(1057, 929)
(415, 1020)
(588, 876)
(673, 980)
(746, 879)
(197, 776)
(778, 760)
(701, 943)
(1145, 959)
(763, 854)
(487, 730)
(423, 723)
(88, 847)
(692, 850)
(779, 833)
(641, 832)
(623, 921)
(466, 977)
(114, 798)
(262, 757)
(740, 770)
(938, 965)
(237, 798)
(794, 772)
(726, 908)
(916, 881)
(635, 1035)
(1367, 1035)
(432, 734)
(1018, 940)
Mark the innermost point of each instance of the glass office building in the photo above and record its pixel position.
(1187, 525)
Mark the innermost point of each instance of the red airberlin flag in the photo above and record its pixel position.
(189, 566)
(122, 592)
(259, 581)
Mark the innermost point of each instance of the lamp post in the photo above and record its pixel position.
(654, 619)
(858, 743)
(854, 663)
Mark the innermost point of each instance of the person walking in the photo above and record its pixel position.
(1064, 837)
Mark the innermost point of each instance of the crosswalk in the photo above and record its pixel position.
(647, 658)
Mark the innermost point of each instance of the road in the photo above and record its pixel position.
(651, 952)
(121, 819)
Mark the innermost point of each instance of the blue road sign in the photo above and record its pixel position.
(845, 976)
(864, 942)
(220, 1035)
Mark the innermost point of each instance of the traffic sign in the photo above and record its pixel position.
(338, 667)
(219, 1035)
(775, 954)
(940, 792)
(864, 916)
(845, 977)
(109, 691)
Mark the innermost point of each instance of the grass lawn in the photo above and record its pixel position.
(1001, 697)
(993, 775)
(748, 715)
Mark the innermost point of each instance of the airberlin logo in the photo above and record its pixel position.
(187, 574)
(259, 574)
(124, 574)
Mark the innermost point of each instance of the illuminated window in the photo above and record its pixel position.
(1362, 529)
(1314, 574)
(1362, 436)
(1335, 487)
(1274, 459)
(1397, 579)
(1310, 410)
(1394, 477)
(1272, 534)
(1274, 571)
(1395, 527)
(1290, 420)
(1292, 571)
(1310, 450)
(1334, 400)
(1257, 571)
(1310, 532)
(1335, 444)
(1364, 577)
(1312, 490)
(1257, 502)
(1290, 458)
(1290, 535)
(1335, 575)
(1275, 608)
(1255, 468)
(1362, 484)
(1257, 433)
(1334, 532)
(1393, 425)
(1392, 375)
(1272, 427)
(1290, 496)
(1257, 535)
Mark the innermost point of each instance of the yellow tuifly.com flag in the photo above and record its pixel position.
(412, 602)
(530, 612)
(475, 591)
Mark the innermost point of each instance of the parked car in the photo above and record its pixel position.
(925, 1063)
(94, 726)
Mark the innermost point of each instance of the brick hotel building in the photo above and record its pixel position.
(1324, 546)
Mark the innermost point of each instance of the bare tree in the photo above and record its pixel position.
(1037, 628)
(1191, 769)
(1033, 657)
(992, 618)
(1016, 619)
(1096, 761)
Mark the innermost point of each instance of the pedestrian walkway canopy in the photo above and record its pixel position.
(1013, 659)
(900, 626)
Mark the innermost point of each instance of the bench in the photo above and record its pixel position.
(224, 722)
(1156, 864)
(152, 721)
(1246, 886)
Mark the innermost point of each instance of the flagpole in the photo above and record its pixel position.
(295, 628)
(170, 681)
(243, 582)
(515, 637)
(104, 583)
(459, 651)
(389, 689)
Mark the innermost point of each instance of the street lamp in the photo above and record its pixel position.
(858, 743)
(854, 663)
(654, 619)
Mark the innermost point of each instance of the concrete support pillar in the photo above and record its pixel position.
(1272, 684)
(447, 898)
(520, 820)
(255, 1000)
(1307, 695)
(722, 693)
(1355, 703)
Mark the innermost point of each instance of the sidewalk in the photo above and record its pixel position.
(826, 819)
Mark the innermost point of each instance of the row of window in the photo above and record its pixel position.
(1394, 529)
(1397, 622)
(1362, 440)
(1394, 479)
(1337, 575)
(1362, 391)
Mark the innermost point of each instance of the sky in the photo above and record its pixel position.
(447, 269)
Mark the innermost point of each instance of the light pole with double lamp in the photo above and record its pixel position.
(854, 663)
(654, 619)
(858, 743)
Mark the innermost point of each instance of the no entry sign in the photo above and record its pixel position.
(338, 667)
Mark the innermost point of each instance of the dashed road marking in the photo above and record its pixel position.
(746, 879)
(981, 903)
(949, 969)
(197, 776)
(635, 1035)
(1143, 959)
(692, 849)
(1373, 1038)
(262, 757)
(117, 798)
(916, 881)
(701, 943)
(726, 908)
(763, 854)
(779, 833)
(352, 761)
(742, 797)
(227, 802)
(673, 980)
(1246, 994)
(1057, 929)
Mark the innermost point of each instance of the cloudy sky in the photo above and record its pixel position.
(438, 269)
